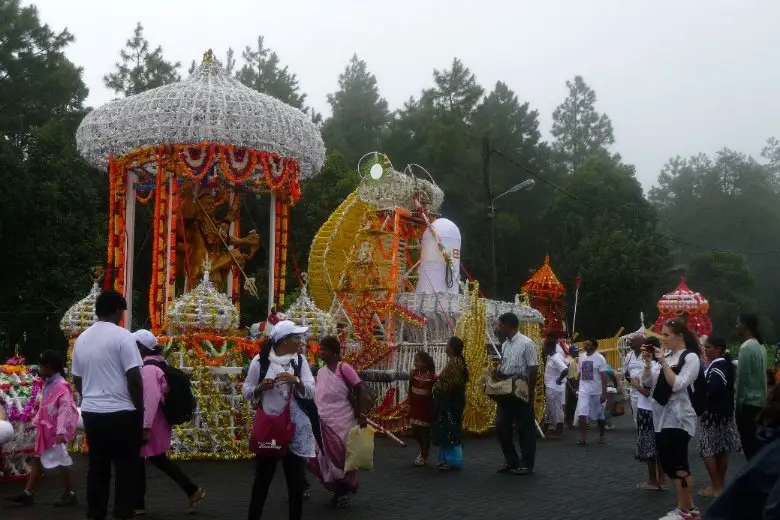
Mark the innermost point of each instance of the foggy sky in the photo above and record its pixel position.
(676, 77)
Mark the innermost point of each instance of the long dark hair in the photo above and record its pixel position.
(678, 327)
(457, 350)
(427, 361)
(53, 360)
(750, 321)
(718, 342)
(332, 344)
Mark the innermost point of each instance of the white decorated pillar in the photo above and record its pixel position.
(129, 247)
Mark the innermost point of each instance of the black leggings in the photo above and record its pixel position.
(672, 446)
(264, 475)
(167, 466)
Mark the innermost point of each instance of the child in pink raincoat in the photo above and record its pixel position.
(55, 424)
(157, 430)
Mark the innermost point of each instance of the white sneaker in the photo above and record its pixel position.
(677, 514)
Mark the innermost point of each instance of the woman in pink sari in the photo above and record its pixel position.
(336, 395)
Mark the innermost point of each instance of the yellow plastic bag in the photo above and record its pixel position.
(360, 449)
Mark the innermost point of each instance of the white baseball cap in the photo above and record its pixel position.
(286, 328)
(145, 338)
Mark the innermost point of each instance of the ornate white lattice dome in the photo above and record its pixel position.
(402, 189)
(305, 312)
(81, 315)
(204, 309)
(211, 106)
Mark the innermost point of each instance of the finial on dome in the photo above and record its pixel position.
(206, 267)
(547, 260)
(208, 57)
(98, 272)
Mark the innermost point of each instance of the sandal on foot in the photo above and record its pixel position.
(582, 443)
(602, 440)
(420, 461)
(708, 493)
(196, 498)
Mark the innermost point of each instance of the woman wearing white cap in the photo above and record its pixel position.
(270, 379)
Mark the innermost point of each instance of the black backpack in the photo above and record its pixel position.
(179, 404)
(697, 392)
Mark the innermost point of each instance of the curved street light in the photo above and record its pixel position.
(527, 184)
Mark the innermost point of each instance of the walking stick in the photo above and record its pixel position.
(386, 432)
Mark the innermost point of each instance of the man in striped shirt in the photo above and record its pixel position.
(519, 360)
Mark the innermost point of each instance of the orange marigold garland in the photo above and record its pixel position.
(159, 252)
(280, 256)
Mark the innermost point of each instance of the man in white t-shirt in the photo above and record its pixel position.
(106, 373)
(592, 392)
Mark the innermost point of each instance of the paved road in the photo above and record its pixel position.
(595, 482)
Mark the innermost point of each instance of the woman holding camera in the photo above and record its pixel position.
(673, 414)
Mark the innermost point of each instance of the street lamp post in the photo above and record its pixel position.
(527, 184)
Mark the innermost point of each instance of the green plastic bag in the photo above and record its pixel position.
(360, 449)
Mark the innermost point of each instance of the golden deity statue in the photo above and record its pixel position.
(206, 234)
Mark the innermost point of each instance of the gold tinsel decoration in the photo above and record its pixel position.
(214, 439)
(480, 412)
(330, 248)
(534, 331)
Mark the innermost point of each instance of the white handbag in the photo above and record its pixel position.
(497, 388)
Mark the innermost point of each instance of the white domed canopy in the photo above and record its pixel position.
(209, 106)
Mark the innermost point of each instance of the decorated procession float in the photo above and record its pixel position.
(383, 270)
(193, 150)
(688, 305)
(19, 391)
(545, 293)
(386, 266)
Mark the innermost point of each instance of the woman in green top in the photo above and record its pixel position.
(751, 382)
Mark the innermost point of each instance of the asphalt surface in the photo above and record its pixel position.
(594, 482)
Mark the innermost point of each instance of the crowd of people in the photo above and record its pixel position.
(678, 390)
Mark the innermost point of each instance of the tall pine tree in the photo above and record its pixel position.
(359, 114)
(140, 68)
(579, 130)
(262, 72)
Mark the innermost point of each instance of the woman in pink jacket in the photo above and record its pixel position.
(157, 430)
(55, 426)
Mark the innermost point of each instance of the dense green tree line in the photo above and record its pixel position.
(712, 219)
